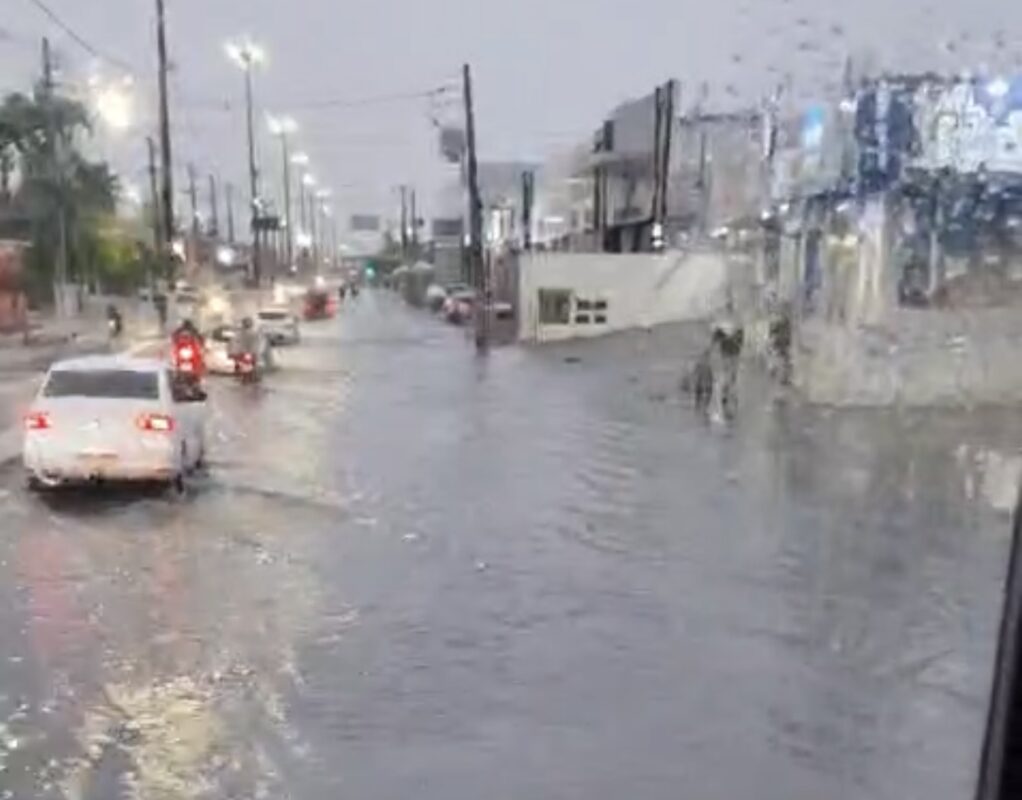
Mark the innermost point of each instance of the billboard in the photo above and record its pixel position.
(970, 125)
(364, 223)
(448, 228)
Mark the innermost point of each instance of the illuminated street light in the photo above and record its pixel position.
(114, 103)
(308, 180)
(245, 53)
(225, 255)
(281, 126)
(998, 87)
(300, 159)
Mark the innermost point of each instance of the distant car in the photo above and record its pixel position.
(318, 304)
(279, 325)
(187, 295)
(435, 297)
(113, 418)
(502, 311)
(459, 306)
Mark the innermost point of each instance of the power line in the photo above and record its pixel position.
(369, 101)
(80, 40)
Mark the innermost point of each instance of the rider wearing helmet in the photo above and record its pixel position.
(189, 350)
(247, 340)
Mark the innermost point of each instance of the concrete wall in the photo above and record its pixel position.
(639, 289)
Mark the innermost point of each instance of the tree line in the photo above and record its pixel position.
(44, 175)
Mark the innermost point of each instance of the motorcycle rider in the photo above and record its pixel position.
(114, 320)
(186, 338)
(246, 342)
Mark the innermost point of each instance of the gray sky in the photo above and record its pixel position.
(546, 71)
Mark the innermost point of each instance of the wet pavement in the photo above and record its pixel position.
(412, 572)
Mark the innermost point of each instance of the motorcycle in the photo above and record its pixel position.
(245, 367)
(187, 359)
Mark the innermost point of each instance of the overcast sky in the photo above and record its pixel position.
(546, 71)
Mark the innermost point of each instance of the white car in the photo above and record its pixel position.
(113, 418)
(278, 325)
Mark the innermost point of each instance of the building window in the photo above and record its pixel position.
(589, 311)
(554, 306)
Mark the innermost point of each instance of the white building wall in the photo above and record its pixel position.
(640, 290)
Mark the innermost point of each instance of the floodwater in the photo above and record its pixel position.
(414, 572)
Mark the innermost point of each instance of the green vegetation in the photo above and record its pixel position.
(42, 173)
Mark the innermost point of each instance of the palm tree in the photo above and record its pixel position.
(37, 144)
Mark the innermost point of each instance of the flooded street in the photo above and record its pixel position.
(412, 572)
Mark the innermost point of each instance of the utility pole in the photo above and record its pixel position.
(193, 198)
(253, 175)
(57, 176)
(404, 223)
(475, 213)
(154, 195)
(415, 226)
(154, 199)
(313, 227)
(214, 216)
(167, 204)
(528, 190)
(289, 233)
(229, 192)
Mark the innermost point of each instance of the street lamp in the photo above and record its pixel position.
(247, 55)
(320, 208)
(114, 102)
(308, 182)
(283, 127)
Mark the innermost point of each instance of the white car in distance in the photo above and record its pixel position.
(113, 418)
(278, 325)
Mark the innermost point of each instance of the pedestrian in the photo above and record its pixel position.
(727, 340)
(160, 301)
(780, 345)
(702, 380)
(115, 323)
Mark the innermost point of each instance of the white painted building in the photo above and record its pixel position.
(577, 295)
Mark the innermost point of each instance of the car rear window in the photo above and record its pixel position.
(273, 316)
(103, 383)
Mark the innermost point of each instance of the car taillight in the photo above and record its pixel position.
(156, 423)
(38, 421)
(186, 354)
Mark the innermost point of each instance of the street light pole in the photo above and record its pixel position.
(282, 127)
(247, 55)
(167, 188)
(253, 178)
(475, 216)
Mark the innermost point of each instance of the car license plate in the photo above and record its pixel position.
(97, 457)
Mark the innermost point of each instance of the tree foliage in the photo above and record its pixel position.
(44, 175)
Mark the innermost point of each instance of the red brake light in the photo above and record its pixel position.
(157, 423)
(38, 421)
(186, 353)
